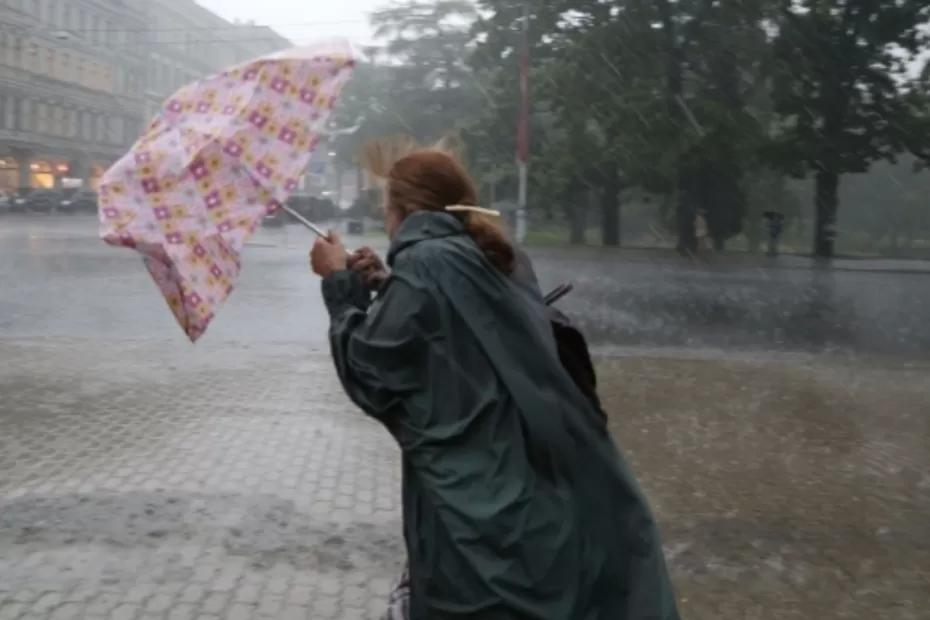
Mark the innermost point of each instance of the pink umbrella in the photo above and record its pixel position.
(223, 153)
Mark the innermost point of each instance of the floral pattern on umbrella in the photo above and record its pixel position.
(222, 154)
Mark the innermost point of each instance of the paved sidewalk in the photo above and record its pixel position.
(148, 480)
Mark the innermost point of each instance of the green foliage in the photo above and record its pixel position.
(706, 104)
(843, 94)
(418, 83)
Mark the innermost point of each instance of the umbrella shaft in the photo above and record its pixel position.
(297, 216)
(316, 229)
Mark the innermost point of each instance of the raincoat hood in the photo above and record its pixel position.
(423, 225)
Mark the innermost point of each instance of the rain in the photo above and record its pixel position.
(738, 194)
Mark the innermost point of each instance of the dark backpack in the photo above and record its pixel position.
(573, 350)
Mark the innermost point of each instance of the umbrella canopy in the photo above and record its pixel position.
(222, 153)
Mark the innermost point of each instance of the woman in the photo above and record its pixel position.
(517, 505)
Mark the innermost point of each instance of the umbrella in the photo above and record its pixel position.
(222, 154)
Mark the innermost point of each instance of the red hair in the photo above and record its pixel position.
(431, 180)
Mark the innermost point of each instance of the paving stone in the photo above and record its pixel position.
(126, 611)
(147, 468)
(215, 603)
(67, 611)
(11, 610)
(242, 611)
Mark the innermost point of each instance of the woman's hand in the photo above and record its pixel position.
(368, 264)
(328, 255)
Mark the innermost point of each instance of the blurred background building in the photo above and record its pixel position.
(70, 89)
(79, 79)
(186, 41)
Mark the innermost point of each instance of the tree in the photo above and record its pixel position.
(417, 82)
(427, 45)
(500, 36)
(843, 94)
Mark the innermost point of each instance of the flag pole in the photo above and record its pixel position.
(523, 129)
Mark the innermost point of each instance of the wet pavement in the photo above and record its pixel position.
(781, 304)
(142, 477)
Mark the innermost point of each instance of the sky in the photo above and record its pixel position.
(303, 21)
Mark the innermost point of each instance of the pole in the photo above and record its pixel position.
(523, 129)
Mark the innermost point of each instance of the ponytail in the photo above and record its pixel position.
(491, 240)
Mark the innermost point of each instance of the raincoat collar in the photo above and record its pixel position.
(421, 226)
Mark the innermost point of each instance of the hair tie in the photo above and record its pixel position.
(472, 209)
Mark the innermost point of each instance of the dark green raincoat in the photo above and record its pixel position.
(516, 502)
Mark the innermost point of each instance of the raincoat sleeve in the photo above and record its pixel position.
(380, 354)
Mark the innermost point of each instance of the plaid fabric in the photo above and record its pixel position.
(399, 603)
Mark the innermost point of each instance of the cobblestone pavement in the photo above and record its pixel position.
(143, 480)
(786, 487)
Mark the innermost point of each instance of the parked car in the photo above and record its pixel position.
(18, 202)
(43, 201)
(77, 201)
(66, 202)
(85, 201)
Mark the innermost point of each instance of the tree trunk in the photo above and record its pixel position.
(827, 200)
(674, 92)
(579, 217)
(610, 209)
(753, 233)
(685, 213)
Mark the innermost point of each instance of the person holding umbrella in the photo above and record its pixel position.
(517, 504)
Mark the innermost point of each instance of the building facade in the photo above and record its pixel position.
(80, 79)
(187, 41)
(70, 84)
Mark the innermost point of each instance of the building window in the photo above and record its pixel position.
(50, 62)
(73, 123)
(17, 51)
(32, 62)
(116, 130)
(9, 112)
(86, 131)
(42, 126)
(25, 115)
(66, 17)
(61, 122)
(100, 135)
(95, 26)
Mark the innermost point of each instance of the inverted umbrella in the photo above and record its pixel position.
(223, 153)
